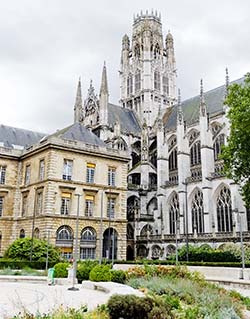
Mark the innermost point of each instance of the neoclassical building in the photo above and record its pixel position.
(43, 179)
(176, 185)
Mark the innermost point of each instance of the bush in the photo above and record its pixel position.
(61, 270)
(20, 249)
(84, 268)
(100, 273)
(129, 307)
(20, 264)
(118, 276)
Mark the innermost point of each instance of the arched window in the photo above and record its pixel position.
(22, 233)
(146, 230)
(197, 212)
(88, 243)
(133, 208)
(157, 80)
(173, 160)
(218, 143)
(130, 84)
(195, 154)
(157, 51)
(173, 213)
(137, 80)
(88, 234)
(64, 233)
(224, 211)
(130, 232)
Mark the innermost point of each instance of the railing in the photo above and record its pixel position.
(146, 217)
(196, 174)
(173, 179)
(64, 242)
(133, 187)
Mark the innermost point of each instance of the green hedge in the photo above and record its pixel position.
(20, 264)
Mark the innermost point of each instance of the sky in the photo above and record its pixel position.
(46, 45)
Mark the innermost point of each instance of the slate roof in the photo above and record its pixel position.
(214, 102)
(12, 136)
(126, 117)
(78, 132)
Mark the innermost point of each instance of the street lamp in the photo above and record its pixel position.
(73, 288)
(47, 251)
(241, 243)
(101, 230)
(176, 238)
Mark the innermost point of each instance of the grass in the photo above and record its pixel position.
(26, 271)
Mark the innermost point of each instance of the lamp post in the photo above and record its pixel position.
(176, 238)
(73, 288)
(47, 252)
(101, 229)
(241, 244)
(186, 217)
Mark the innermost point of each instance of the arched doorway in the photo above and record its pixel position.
(110, 243)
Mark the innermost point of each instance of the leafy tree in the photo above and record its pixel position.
(20, 250)
(236, 153)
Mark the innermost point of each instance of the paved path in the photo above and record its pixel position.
(17, 297)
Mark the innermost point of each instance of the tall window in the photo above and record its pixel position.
(67, 169)
(195, 153)
(224, 211)
(173, 213)
(90, 173)
(165, 85)
(137, 81)
(65, 203)
(89, 205)
(157, 80)
(157, 51)
(111, 208)
(218, 143)
(130, 84)
(24, 204)
(197, 212)
(27, 175)
(88, 244)
(111, 176)
(137, 51)
(2, 174)
(39, 202)
(1, 206)
(22, 233)
(173, 160)
(41, 169)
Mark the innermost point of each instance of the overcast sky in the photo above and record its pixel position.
(45, 45)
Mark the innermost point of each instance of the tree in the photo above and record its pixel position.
(20, 250)
(236, 154)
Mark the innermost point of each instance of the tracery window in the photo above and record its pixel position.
(173, 160)
(157, 80)
(173, 213)
(137, 51)
(137, 81)
(129, 84)
(146, 230)
(224, 211)
(218, 143)
(195, 153)
(197, 212)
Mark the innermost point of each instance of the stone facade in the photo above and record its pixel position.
(39, 190)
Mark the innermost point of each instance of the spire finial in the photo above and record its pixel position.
(203, 110)
(78, 110)
(104, 83)
(227, 83)
(179, 110)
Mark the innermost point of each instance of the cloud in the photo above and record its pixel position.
(46, 45)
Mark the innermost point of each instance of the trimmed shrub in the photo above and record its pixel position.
(20, 264)
(129, 307)
(118, 276)
(61, 270)
(100, 273)
(84, 268)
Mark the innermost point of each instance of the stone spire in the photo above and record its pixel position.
(78, 109)
(227, 83)
(104, 83)
(203, 108)
(180, 119)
